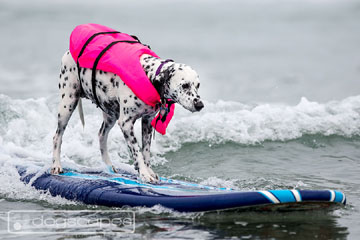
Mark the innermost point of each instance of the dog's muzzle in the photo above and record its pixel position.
(198, 104)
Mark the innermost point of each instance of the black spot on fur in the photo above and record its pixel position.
(112, 80)
(113, 109)
(63, 95)
(186, 86)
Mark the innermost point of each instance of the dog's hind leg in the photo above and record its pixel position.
(107, 125)
(70, 90)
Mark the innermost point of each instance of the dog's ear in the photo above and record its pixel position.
(164, 79)
(158, 86)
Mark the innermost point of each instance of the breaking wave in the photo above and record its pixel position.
(27, 127)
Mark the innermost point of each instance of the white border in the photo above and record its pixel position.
(270, 196)
(296, 195)
(332, 195)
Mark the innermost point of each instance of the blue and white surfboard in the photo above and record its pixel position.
(124, 189)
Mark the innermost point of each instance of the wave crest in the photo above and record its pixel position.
(244, 124)
(29, 124)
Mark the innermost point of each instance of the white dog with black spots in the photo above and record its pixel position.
(118, 102)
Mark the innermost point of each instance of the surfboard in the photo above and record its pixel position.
(124, 189)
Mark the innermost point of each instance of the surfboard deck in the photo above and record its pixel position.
(124, 189)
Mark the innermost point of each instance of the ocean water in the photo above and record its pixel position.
(280, 82)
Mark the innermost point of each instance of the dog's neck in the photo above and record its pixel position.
(150, 65)
(158, 72)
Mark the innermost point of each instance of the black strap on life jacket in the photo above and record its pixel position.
(93, 75)
(83, 49)
(167, 110)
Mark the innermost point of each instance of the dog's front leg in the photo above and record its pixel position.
(127, 126)
(146, 143)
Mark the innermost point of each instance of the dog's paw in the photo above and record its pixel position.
(56, 169)
(145, 176)
(112, 169)
(153, 174)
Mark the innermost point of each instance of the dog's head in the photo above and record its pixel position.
(182, 85)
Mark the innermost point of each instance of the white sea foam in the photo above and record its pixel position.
(226, 121)
(27, 127)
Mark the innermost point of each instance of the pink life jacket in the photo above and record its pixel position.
(100, 47)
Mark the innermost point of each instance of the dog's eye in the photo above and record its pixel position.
(186, 86)
(198, 85)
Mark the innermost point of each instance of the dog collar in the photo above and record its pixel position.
(161, 65)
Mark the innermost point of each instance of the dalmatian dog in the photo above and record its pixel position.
(119, 104)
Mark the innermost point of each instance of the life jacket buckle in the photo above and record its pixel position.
(164, 110)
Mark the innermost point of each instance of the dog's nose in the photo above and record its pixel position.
(198, 104)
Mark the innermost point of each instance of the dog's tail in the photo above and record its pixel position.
(81, 112)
